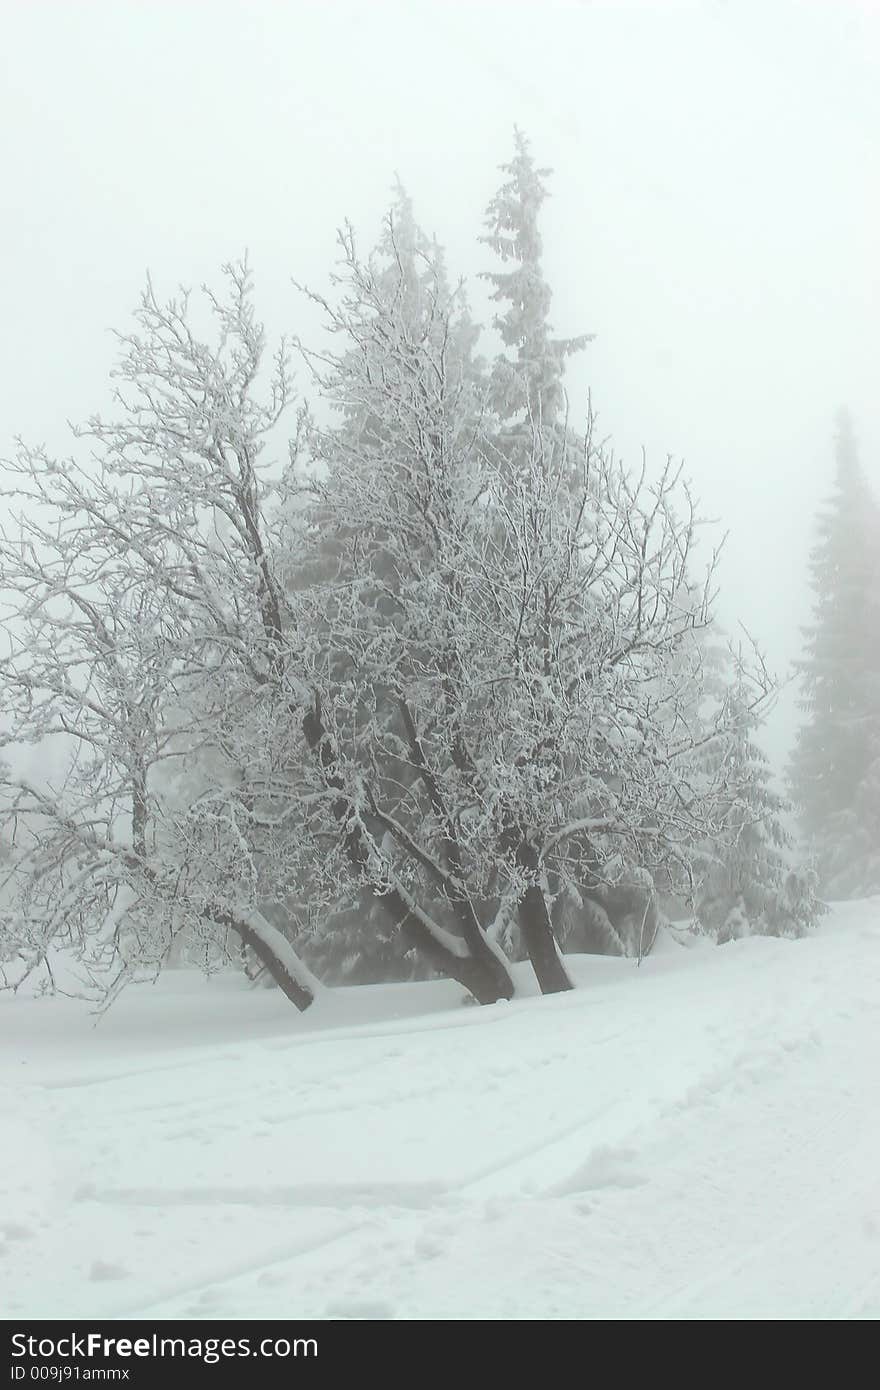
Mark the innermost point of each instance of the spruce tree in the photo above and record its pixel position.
(835, 768)
(404, 316)
(753, 884)
(611, 904)
(528, 383)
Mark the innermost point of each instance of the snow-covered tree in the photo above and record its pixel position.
(753, 884)
(611, 908)
(236, 804)
(409, 314)
(145, 630)
(496, 678)
(438, 674)
(529, 383)
(835, 768)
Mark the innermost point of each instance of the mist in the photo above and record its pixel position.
(426, 890)
(714, 214)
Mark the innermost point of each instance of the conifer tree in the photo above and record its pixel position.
(407, 316)
(835, 769)
(753, 885)
(607, 908)
(528, 383)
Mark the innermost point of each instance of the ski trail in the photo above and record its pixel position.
(697, 1138)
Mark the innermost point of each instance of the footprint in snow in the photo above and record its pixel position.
(15, 1230)
(359, 1310)
(428, 1248)
(605, 1168)
(103, 1270)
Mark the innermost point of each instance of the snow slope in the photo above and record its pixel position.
(695, 1138)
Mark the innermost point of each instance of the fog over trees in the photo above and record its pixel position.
(367, 658)
(439, 672)
(835, 767)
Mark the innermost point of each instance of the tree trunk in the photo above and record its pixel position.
(284, 976)
(486, 979)
(484, 975)
(537, 931)
(271, 948)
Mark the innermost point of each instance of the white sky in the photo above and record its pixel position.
(715, 216)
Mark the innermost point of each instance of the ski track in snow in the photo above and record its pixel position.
(696, 1138)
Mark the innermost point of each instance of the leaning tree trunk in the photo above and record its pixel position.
(273, 951)
(483, 973)
(537, 929)
(268, 944)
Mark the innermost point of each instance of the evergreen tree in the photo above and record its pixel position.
(753, 885)
(529, 384)
(835, 769)
(609, 903)
(411, 337)
(500, 728)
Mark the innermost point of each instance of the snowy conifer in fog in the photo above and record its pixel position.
(527, 386)
(835, 768)
(753, 883)
(415, 315)
(502, 614)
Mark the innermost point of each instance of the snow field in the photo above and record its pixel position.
(698, 1137)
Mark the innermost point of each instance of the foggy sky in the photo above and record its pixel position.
(715, 217)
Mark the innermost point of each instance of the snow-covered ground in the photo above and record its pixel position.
(695, 1138)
